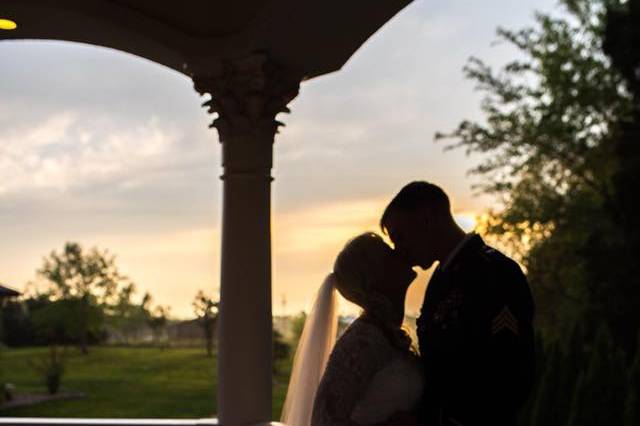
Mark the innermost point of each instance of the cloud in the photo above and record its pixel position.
(64, 153)
(40, 77)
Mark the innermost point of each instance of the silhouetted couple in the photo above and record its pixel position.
(475, 361)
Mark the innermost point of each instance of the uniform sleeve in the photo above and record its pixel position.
(353, 363)
(510, 343)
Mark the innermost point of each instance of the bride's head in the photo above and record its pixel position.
(368, 272)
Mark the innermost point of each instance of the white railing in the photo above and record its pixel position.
(60, 421)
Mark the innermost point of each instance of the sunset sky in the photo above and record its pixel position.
(110, 150)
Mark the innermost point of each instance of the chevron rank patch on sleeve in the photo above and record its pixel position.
(504, 321)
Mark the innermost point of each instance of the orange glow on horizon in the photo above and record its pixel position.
(173, 265)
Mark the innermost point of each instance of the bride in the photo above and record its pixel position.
(370, 375)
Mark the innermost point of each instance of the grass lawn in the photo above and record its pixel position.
(127, 382)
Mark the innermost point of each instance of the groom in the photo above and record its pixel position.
(475, 328)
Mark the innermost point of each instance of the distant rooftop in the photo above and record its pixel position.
(8, 292)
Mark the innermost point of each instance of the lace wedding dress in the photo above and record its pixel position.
(366, 377)
(371, 375)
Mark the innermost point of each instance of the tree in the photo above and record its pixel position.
(548, 410)
(632, 403)
(127, 316)
(206, 310)
(297, 326)
(20, 330)
(51, 367)
(158, 322)
(86, 281)
(621, 41)
(59, 322)
(551, 130)
(281, 351)
(601, 392)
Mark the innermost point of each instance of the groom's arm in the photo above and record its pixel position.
(510, 342)
(496, 380)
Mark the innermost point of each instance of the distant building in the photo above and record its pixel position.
(189, 332)
(6, 292)
(175, 333)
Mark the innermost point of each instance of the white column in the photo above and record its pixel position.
(246, 94)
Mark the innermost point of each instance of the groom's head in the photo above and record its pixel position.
(417, 220)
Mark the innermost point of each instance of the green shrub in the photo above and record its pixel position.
(632, 404)
(51, 367)
(601, 391)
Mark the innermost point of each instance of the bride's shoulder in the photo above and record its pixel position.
(362, 334)
(361, 327)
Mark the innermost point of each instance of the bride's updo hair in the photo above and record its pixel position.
(358, 266)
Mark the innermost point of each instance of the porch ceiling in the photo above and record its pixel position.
(308, 37)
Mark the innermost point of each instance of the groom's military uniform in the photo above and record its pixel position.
(476, 339)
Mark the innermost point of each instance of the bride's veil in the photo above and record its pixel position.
(315, 345)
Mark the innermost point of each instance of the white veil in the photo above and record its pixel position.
(316, 342)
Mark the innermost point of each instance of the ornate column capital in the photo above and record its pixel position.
(247, 94)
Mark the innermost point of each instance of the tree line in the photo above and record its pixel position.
(560, 138)
(83, 298)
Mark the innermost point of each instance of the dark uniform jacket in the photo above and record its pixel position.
(476, 339)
